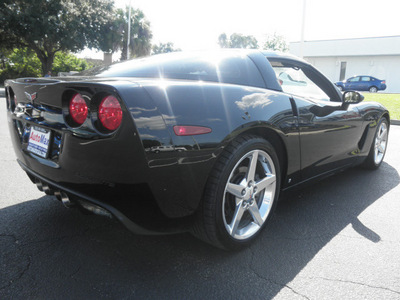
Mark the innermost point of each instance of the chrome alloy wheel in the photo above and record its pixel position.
(380, 143)
(249, 194)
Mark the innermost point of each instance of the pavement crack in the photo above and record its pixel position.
(75, 272)
(301, 238)
(10, 236)
(56, 239)
(358, 283)
(363, 238)
(281, 285)
(20, 275)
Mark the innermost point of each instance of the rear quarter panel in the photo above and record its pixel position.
(229, 110)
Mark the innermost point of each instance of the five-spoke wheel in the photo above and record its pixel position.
(378, 147)
(380, 142)
(249, 193)
(241, 193)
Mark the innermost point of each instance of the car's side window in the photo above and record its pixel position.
(354, 79)
(365, 78)
(294, 81)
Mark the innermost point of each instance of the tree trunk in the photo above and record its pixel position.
(123, 52)
(45, 57)
(47, 63)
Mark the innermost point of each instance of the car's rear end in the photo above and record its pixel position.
(381, 84)
(77, 140)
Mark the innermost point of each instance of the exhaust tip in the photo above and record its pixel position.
(39, 184)
(64, 198)
(43, 187)
(97, 210)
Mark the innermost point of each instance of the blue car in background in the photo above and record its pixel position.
(362, 83)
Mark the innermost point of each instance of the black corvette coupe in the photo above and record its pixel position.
(199, 142)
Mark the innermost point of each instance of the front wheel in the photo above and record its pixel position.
(240, 195)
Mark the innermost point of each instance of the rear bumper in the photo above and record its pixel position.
(175, 226)
(115, 168)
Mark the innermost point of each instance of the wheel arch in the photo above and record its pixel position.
(277, 142)
(386, 115)
(210, 224)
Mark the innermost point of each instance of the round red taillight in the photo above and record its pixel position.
(110, 113)
(78, 109)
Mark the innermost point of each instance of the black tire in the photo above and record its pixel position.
(373, 89)
(235, 188)
(378, 146)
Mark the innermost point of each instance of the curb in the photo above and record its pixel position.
(394, 122)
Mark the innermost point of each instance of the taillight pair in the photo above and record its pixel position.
(109, 111)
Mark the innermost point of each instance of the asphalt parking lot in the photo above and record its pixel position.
(338, 239)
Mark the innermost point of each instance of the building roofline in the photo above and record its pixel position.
(349, 39)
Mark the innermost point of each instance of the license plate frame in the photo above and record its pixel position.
(39, 141)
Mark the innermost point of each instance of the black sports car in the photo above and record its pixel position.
(202, 142)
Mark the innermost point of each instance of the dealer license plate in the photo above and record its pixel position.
(39, 140)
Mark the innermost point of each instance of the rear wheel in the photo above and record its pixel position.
(373, 89)
(240, 195)
(378, 147)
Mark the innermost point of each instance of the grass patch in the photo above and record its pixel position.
(390, 101)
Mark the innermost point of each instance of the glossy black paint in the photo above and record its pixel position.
(145, 174)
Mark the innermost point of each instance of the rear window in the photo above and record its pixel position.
(217, 67)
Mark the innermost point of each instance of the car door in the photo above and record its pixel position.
(365, 83)
(353, 84)
(329, 131)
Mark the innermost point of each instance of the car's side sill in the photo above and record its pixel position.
(319, 177)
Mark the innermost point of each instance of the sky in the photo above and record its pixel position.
(196, 25)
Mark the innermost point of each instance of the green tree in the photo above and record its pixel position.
(50, 26)
(141, 35)
(66, 62)
(4, 53)
(237, 40)
(23, 62)
(276, 43)
(223, 40)
(164, 48)
(115, 34)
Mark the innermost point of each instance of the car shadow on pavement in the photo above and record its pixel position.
(50, 252)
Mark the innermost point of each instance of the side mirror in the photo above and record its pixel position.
(351, 97)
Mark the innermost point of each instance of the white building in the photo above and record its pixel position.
(340, 59)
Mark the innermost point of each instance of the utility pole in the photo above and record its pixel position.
(129, 31)
(303, 25)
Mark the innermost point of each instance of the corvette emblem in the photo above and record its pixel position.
(31, 97)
